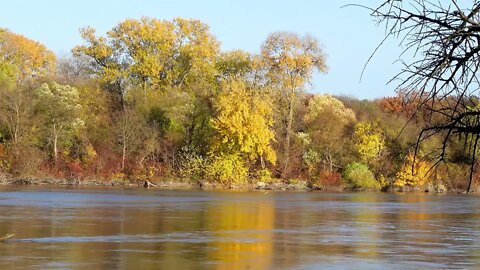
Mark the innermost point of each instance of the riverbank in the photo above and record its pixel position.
(296, 185)
(166, 184)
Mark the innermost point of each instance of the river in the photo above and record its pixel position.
(61, 228)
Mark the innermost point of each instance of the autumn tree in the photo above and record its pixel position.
(129, 133)
(60, 106)
(243, 123)
(151, 53)
(16, 113)
(370, 142)
(290, 61)
(326, 119)
(24, 57)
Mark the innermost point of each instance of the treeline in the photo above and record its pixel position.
(158, 99)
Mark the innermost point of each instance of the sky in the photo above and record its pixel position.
(348, 35)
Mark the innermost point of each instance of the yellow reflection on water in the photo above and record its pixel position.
(243, 233)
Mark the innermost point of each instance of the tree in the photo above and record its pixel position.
(150, 53)
(62, 112)
(445, 37)
(129, 132)
(326, 119)
(16, 113)
(414, 172)
(28, 58)
(243, 123)
(370, 142)
(289, 61)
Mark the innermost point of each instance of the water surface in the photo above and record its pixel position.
(149, 229)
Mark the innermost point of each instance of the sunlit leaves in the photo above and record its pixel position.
(370, 141)
(243, 122)
(414, 172)
(27, 58)
(152, 52)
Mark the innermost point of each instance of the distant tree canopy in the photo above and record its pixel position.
(445, 38)
(151, 53)
(22, 58)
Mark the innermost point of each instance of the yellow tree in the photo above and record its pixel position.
(28, 58)
(370, 141)
(243, 123)
(290, 61)
(414, 172)
(234, 64)
(151, 53)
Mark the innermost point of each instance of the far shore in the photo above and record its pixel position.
(169, 184)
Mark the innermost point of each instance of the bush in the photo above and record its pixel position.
(226, 169)
(414, 172)
(192, 166)
(358, 176)
(264, 175)
(330, 179)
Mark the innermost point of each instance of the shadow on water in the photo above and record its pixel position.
(125, 229)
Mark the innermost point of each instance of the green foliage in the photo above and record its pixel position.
(62, 111)
(226, 169)
(359, 176)
(157, 118)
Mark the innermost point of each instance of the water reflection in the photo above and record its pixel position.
(122, 229)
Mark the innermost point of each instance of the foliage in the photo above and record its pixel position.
(243, 124)
(326, 121)
(226, 169)
(264, 175)
(26, 58)
(414, 172)
(370, 141)
(155, 98)
(289, 62)
(151, 53)
(359, 176)
(192, 166)
(323, 107)
(63, 114)
(326, 179)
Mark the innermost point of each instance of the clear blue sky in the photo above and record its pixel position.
(348, 35)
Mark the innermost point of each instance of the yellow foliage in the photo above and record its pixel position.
(370, 142)
(243, 123)
(90, 154)
(30, 58)
(226, 169)
(416, 175)
(152, 52)
(329, 107)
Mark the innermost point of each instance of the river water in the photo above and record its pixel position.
(149, 229)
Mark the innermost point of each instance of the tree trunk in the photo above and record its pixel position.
(474, 162)
(287, 137)
(330, 161)
(124, 153)
(55, 145)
